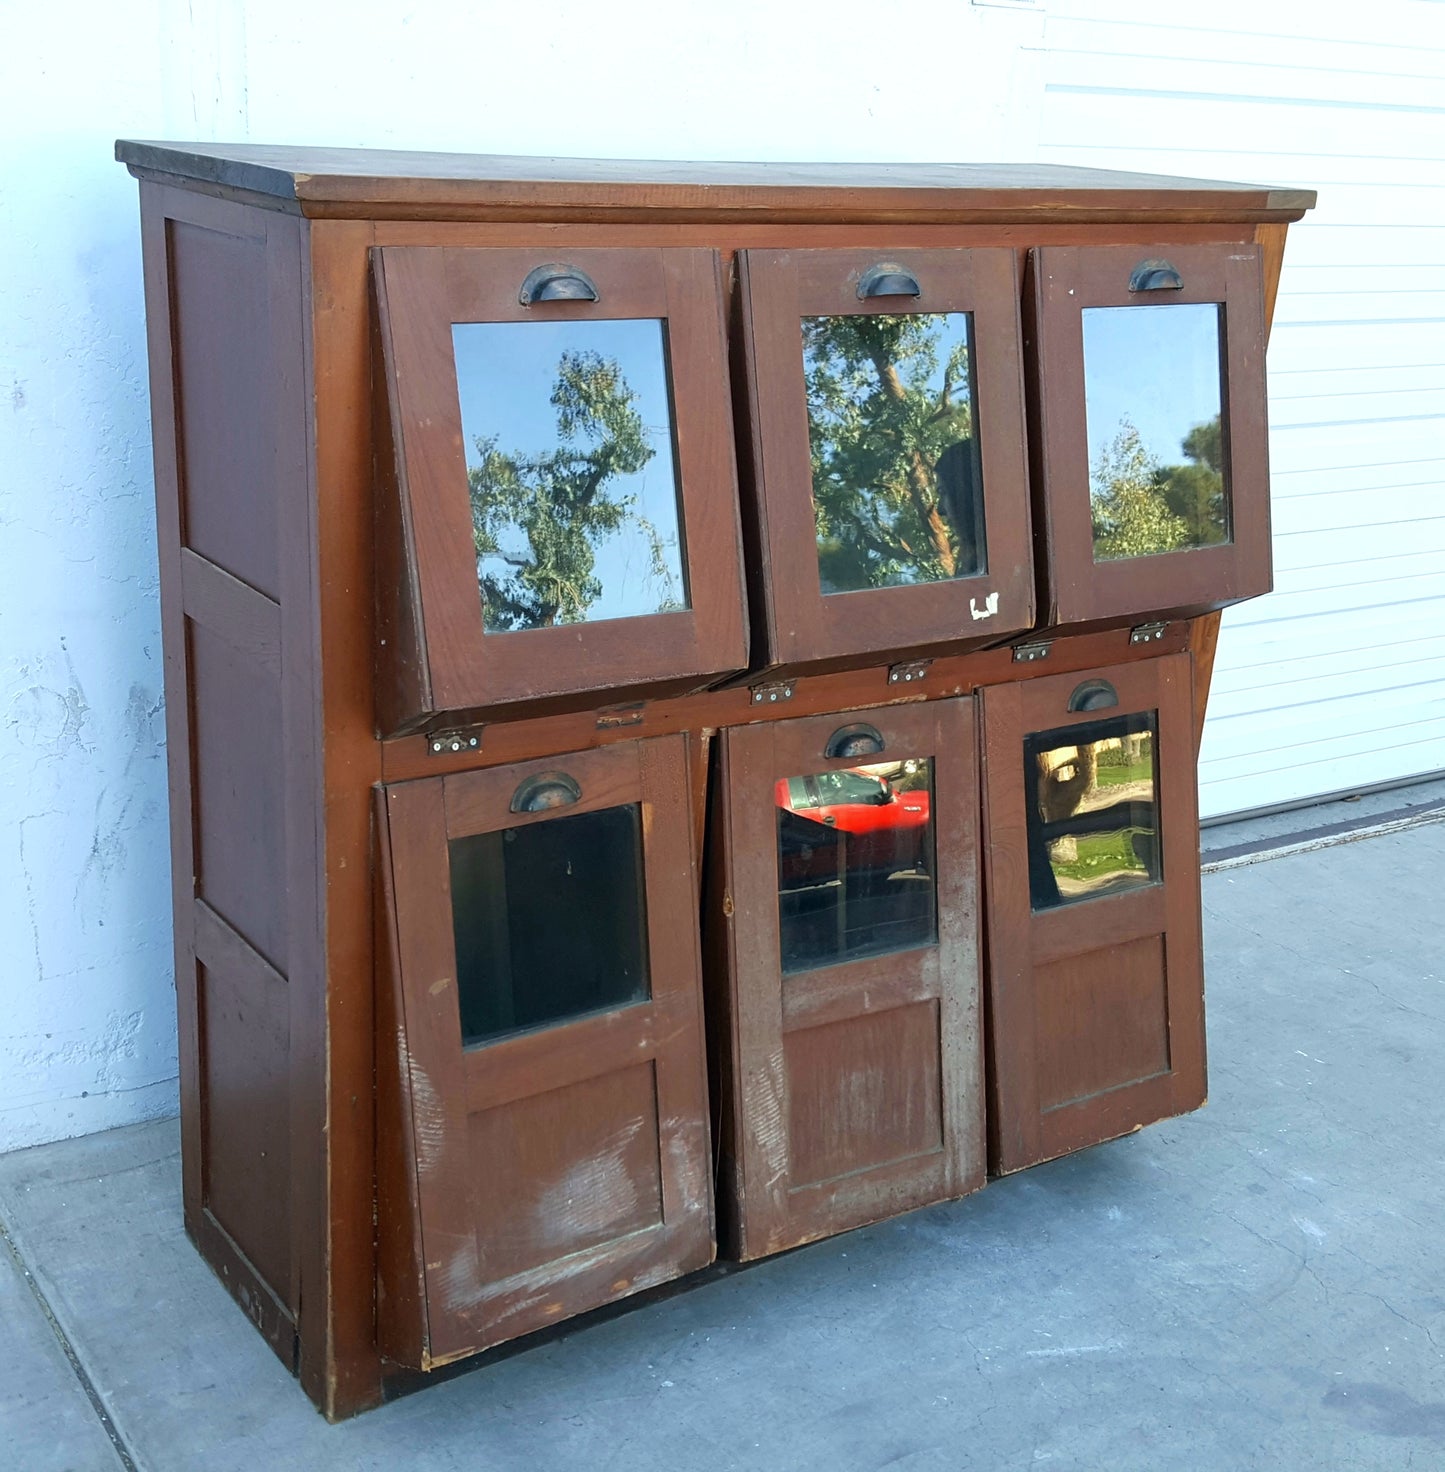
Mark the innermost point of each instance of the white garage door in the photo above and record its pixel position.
(1335, 681)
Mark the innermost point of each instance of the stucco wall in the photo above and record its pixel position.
(87, 1031)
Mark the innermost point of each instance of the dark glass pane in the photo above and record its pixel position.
(855, 863)
(897, 487)
(1092, 820)
(1157, 438)
(568, 435)
(550, 921)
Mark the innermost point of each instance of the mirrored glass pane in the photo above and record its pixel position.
(897, 484)
(550, 922)
(570, 467)
(855, 862)
(1093, 826)
(1157, 473)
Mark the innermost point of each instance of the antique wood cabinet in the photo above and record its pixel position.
(549, 550)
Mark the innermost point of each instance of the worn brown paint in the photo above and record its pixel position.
(558, 1169)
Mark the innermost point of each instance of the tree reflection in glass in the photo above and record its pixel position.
(568, 434)
(1153, 394)
(897, 487)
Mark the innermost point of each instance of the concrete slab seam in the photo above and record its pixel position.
(117, 1441)
(1330, 840)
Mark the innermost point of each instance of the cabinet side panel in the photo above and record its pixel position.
(245, 1041)
(215, 402)
(229, 500)
(236, 756)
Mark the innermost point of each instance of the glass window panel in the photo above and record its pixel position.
(1157, 438)
(568, 430)
(550, 922)
(1093, 826)
(855, 863)
(897, 484)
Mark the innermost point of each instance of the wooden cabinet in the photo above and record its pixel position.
(537, 536)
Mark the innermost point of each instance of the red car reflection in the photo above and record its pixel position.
(853, 820)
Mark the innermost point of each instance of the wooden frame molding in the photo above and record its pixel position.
(1096, 1006)
(853, 1091)
(1077, 588)
(802, 625)
(455, 666)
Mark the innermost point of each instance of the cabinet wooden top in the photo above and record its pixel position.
(362, 183)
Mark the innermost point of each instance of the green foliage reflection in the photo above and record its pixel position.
(895, 471)
(1141, 507)
(539, 519)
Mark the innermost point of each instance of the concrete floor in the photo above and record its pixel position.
(1259, 1285)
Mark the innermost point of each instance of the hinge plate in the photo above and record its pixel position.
(771, 694)
(455, 742)
(1147, 633)
(620, 715)
(1028, 653)
(908, 673)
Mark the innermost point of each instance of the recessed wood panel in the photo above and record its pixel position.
(223, 390)
(566, 1170)
(237, 773)
(245, 1113)
(864, 1092)
(1103, 1021)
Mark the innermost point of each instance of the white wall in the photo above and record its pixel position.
(87, 1032)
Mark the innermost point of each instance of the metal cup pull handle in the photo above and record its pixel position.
(556, 282)
(1155, 275)
(1093, 695)
(545, 790)
(887, 279)
(854, 741)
